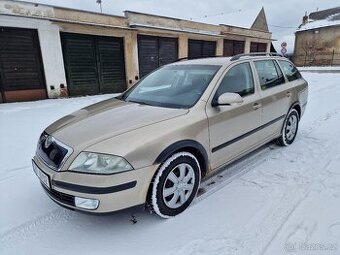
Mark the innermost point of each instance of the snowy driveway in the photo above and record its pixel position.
(276, 201)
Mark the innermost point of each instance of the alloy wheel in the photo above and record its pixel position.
(178, 186)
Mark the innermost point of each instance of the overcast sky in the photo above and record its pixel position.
(283, 16)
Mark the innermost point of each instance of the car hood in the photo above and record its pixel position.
(107, 119)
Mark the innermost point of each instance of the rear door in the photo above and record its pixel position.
(232, 128)
(276, 96)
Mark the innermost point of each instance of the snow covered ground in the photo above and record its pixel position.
(275, 201)
(323, 69)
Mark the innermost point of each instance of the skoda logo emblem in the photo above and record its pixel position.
(48, 141)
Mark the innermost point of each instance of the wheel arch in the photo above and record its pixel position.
(191, 146)
(297, 107)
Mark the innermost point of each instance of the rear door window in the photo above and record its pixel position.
(269, 73)
(290, 70)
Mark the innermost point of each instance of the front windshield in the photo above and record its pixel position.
(174, 86)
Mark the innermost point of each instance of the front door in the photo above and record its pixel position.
(232, 128)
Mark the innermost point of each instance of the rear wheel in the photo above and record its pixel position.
(175, 185)
(289, 129)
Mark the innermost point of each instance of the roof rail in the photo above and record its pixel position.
(210, 56)
(254, 54)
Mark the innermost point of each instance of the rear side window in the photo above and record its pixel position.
(269, 73)
(239, 79)
(290, 70)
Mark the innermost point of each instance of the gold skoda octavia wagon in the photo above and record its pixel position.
(155, 142)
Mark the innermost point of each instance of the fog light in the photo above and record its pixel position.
(86, 203)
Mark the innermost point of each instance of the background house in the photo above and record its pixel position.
(48, 51)
(317, 40)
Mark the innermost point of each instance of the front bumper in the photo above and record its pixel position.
(114, 192)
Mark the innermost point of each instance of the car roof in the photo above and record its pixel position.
(223, 60)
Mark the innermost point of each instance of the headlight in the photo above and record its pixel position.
(97, 163)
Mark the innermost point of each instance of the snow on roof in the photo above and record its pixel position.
(239, 18)
(324, 13)
(333, 19)
(318, 24)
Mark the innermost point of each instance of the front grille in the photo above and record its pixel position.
(60, 197)
(51, 151)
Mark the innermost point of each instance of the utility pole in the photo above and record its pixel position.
(100, 4)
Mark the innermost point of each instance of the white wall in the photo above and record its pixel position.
(50, 45)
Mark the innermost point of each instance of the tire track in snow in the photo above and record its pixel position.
(315, 180)
(34, 227)
(10, 173)
(233, 172)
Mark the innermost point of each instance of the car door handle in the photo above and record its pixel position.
(256, 106)
(288, 94)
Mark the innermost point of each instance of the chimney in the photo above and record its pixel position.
(305, 19)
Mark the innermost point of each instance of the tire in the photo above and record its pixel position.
(175, 185)
(289, 129)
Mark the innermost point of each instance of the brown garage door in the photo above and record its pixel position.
(93, 64)
(232, 47)
(21, 70)
(201, 49)
(154, 52)
(258, 47)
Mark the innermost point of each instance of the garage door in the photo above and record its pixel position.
(21, 70)
(93, 64)
(232, 47)
(154, 52)
(258, 47)
(201, 49)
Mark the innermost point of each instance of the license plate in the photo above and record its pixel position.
(41, 175)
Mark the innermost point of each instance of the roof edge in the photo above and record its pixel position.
(69, 9)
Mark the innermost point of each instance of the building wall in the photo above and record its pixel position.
(51, 21)
(246, 35)
(317, 46)
(26, 9)
(141, 19)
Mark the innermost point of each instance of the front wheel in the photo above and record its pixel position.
(289, 129)
(175, 185)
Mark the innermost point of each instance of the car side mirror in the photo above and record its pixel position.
(229, 99)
